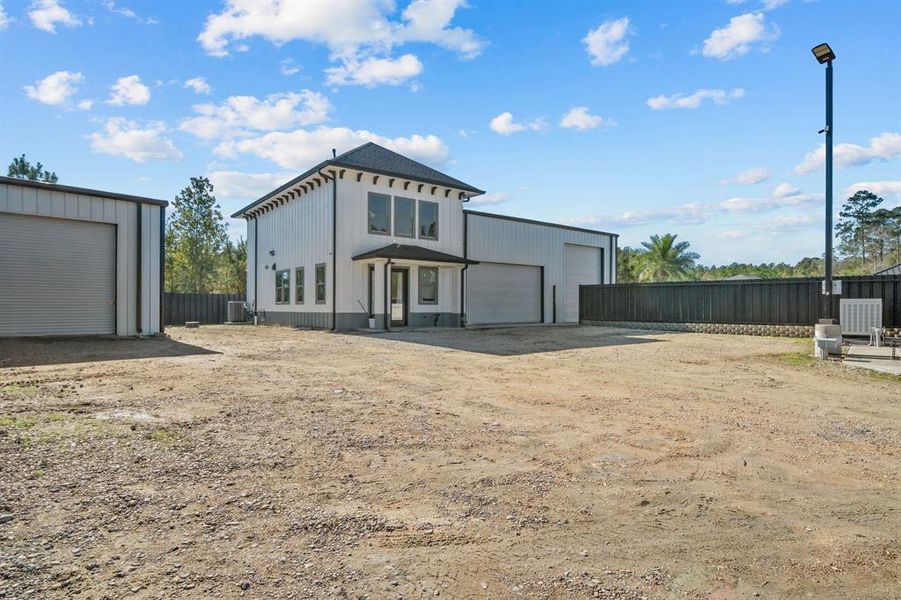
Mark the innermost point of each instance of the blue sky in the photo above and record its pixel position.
(694, 118)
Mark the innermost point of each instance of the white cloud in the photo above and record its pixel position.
(129, 90)
(199, 85)
(55, 89)
(718, 96)
(749, 177)
(698, 212)
(126, 12)
(607, 43)
(47, 14)
(356, 33)
(880, 188)
(490, 198)
(772, 4)
(784, 190)
(245, 186)
(4, 18)
(121, 137)
(302, 148)
(240, 116)
(885, 146)
(505, 125)
(733, 234)
(287, 67)
(579, 118)
(740, 36)
(85, 104)
(375, 71)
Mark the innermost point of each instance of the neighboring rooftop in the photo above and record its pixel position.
(68, 189)
(379, 160)
(893, 270)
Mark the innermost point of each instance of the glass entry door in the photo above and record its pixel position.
(399, 296)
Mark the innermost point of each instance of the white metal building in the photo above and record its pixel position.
(373, 234)
(75, 261)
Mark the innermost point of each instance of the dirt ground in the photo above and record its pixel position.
(531, 462)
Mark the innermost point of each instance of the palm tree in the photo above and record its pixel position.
(665, 259)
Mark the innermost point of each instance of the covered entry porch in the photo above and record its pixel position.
(412, 286)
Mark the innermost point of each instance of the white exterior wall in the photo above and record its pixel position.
(491, 239)
(354, 238)
(300, 234)
(124, 214)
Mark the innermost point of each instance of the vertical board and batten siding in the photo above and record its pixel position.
(501, 240)
(354, 238)
(58, 204)
(757, 302)
(206, 308)
(300, 234)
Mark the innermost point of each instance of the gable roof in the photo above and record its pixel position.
(69, 189)
(375, 159)
(893, 270)
(412, 252)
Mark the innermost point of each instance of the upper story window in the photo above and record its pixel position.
(404, 217)
(428, 220)
(282, 286)
(379, 213)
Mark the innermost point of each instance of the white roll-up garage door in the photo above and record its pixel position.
(57, 276)
(581, 266)
(502, 293)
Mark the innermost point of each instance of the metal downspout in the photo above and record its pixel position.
(140, 270)
(463, 270)
(256, 266)
(162, 268)
(388, 264)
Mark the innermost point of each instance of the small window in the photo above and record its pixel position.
(298, 285)
(428, 220)
(404, 217)
(379, 219)
(428, 285)
(282, 286)
(320, 284)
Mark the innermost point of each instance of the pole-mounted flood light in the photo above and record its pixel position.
(823, 53)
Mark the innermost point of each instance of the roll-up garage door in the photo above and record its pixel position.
(502, 293)
(581, 266)
(57, 276)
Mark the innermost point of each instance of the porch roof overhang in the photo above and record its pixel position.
(411, 252)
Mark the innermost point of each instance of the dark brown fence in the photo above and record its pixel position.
(206, 308)
(758, 301)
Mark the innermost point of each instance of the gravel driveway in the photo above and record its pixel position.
(534, 462)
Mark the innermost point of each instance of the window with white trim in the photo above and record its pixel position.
(283, 286)
(298, 285)
(428, 220)
(428, 285)
(320, 283)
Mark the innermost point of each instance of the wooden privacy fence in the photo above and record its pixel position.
(206, 308)
(757, 302)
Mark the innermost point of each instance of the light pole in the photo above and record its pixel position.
(824, 54)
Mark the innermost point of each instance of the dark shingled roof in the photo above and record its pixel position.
(409, 252)
(376, 159)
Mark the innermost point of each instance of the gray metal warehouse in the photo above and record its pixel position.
(76, 261)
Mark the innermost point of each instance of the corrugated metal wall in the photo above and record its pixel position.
(124, 214)
(756, 302)
(501, 240)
